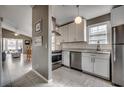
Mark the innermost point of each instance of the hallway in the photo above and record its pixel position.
(14, 68)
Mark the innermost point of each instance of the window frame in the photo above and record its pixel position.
(108, 31)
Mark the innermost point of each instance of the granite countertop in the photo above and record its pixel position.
(57, 51)
(104, 51)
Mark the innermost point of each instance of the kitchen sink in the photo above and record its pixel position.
(95, 51)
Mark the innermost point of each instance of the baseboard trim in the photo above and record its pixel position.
(49, 81)
(65, 66)
(41, 76)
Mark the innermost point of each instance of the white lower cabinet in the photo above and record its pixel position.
(66, 58)
(97, 64)
(101, 67)
(87, 64)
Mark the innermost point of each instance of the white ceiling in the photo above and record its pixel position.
(17, 18)
(66, 13)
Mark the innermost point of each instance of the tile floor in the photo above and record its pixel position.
(21, 75)
(65, 77)
(69, 77)
(62, 77)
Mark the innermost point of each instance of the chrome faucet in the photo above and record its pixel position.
(98, 46)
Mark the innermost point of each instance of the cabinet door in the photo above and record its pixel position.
(66, 31)
(101, 67)
(117, 16)
(80, 32)
(66, 58)
(72, 32)
(87, 64)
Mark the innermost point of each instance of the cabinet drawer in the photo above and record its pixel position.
(102, 56)
(86, 54)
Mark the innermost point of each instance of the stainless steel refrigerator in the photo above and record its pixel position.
(118, 55)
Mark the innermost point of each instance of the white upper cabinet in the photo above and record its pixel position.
(66, 33)
(117, 16)
(72, 32)
(80, 31)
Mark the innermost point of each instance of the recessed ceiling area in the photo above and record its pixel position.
(17, 18)
(67, 13)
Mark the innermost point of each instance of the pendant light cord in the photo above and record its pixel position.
(78, 10)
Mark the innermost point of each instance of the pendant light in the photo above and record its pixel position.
(16, 34)
(78, 19)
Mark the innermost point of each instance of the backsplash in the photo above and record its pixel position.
(85, 46)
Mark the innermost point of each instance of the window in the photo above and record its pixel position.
(12, 44)
(19, 43)
(98, 32)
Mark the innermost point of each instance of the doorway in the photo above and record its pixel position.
(12, 45)
(16, 35)
(14, 60)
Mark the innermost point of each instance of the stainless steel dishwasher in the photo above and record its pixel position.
(75, 60)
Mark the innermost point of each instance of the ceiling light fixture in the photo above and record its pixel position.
(78, 19)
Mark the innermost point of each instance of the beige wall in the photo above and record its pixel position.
(99, 19)
(10, 34)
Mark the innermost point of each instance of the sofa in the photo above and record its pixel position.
(3, 56)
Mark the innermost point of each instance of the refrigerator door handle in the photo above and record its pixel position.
(114, 46)
(114, 53)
